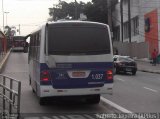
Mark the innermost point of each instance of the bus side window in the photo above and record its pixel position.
(34, 40)
(38, 45)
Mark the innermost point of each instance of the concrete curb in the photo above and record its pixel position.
(2, 63)
(141, 60)
(113, 106)
(150, 71)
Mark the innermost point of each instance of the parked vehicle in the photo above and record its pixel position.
(124, 64)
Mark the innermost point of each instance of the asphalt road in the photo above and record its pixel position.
(140, 93)
(17, 67)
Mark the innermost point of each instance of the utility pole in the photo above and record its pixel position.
(19, 29)
(129, 20)
(6, 17)
(110, 14)
(121, 5)
(3, 14)
(76, 17)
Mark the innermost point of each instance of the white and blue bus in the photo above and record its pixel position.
(71, 59)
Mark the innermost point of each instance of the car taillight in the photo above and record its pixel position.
(109, 75)
(44, 76)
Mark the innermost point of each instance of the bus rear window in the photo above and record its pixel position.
(74, 40)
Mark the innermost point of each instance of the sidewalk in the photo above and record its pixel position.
(145, 66)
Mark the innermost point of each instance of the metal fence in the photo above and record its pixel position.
(10, 93)
(139, 50)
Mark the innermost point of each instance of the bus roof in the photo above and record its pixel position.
(76, 22)
(72, 22)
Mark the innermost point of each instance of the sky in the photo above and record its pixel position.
(29, 14)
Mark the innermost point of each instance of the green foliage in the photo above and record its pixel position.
(9, 31)
(64, 10)
(97, 11)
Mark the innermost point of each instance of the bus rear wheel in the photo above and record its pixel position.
(133, 72)
(93, 99)
(42, 101)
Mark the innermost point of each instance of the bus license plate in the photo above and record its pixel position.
(78, 74)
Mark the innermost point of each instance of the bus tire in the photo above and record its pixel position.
(42, 101)
(29, 80)
(25, 50)
(94, 99)
(133, 72)
(33, 90)
(117, 71)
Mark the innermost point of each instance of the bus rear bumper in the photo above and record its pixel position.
(18, 48)
(49, 91)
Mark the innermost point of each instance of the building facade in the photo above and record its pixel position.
(145, 25)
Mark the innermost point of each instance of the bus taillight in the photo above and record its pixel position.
(109, 75)
(45, 79)
(44, 75)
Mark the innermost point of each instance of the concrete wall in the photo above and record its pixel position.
(139, 50)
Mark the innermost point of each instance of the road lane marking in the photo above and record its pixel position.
(120, 79)
(115, 105)
(118, 107)
(150, 89)
(59, 116)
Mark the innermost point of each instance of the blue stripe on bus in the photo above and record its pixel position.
(66, 82)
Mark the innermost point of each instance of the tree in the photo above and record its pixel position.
(7, 30)
(10, 31)
(64, 10)
(97, 10)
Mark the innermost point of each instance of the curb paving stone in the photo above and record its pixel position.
(2, 63)
(150, 71)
